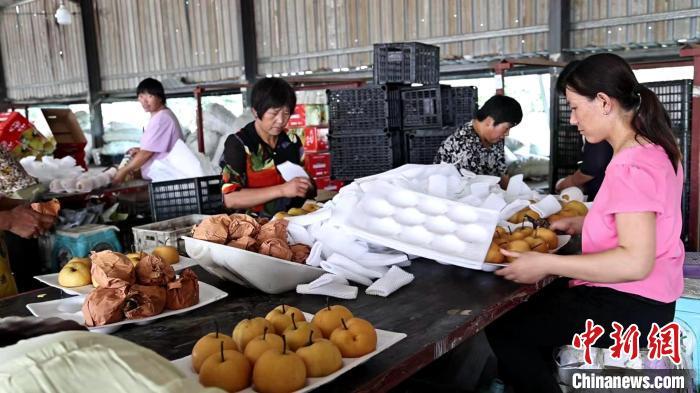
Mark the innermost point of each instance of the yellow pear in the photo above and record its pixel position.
(328, 318)
(261, 344)
(355, 337)
(226, 369)
(168, 254)
(298, 333)
(281, 317)
(248, 329)
(321, 357)
(208, 345)
(74, 274)
(279, 371)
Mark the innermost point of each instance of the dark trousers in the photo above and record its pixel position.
(524, 338)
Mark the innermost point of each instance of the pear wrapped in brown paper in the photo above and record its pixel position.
(111, 269)
(300, 252)
(151, 270)
(242, 225)
(144, 301)
(50, 208)
(104, 305)
(183, 292)
(244, 243)
(274, 230)
(213, 229)
(276, 248)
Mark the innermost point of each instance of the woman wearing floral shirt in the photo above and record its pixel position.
(478, 145)
(251, 179)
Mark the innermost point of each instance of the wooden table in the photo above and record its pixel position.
(443, 306)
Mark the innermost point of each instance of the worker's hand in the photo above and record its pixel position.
(527, 268)
(119, 177)
(132, 152)
(27, 223)
(569, 225)
(562, 184)
(296, 187)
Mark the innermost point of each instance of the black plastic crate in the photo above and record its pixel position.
(406, 63)
(177, 198)
(421, 106)
(364, 108)
(464, 104)
(364, 154)
(676, 98)
(569, 146)
(421, 146)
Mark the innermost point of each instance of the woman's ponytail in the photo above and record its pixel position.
(651, 121)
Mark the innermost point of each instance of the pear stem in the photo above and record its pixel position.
(311, 335)
(294, 323)
(283, 310)
(342, 320)
(284, 344)
(222, 351)
(328, 306)
(264, 333)
(216, 323)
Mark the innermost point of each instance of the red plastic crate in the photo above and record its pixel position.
(318, 164)
(325, 183)
(315, 139)
(298, 118)
(12, 125)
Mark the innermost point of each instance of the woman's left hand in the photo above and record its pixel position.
(527, 268)
(119, 177)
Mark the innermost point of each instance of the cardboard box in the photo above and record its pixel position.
(70, 140)
(318, 164)
(12, 125)
(315, 139)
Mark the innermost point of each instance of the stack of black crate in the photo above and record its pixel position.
(401, 118)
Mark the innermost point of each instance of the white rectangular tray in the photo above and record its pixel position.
(52, 279)
(385, 339)
(263, 272)
(71, 308)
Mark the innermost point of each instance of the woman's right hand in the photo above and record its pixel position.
(296, 187)
(27, 223)
(569, 225)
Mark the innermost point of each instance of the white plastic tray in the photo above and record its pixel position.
(385, 339)
(52, 279)
(71, 308)
(471, 254)
(263, 272)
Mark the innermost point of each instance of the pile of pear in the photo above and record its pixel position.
(523, 239)
(76, 272)
(568, 209)
(277, 354)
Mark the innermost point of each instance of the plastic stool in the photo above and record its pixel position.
(80, 241)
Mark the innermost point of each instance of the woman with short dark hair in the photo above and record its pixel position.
(251, 179)
(631, 267)
(160, 134)
(478, 145)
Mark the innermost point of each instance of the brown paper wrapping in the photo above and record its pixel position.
(276, 248)
(242, 225)
(273, 230)
(183, 292)
(103, 306)
(244, 243)
(213, 229)
(112, 269)
(144, 301)
(300, 252)
(50, 208)
(151, 270)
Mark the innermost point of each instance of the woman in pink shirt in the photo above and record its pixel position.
(160, 135)
(631, 267)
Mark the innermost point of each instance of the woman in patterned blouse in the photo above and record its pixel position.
(478, 145)
(251, 180)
